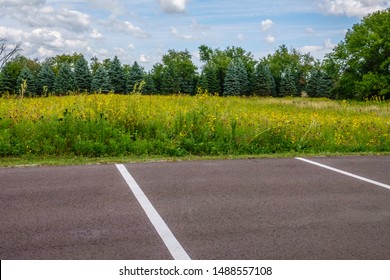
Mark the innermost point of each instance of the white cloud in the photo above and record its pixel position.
(240, 37)
(95, 34)
(328, 44)
(173, 6)
(131, 47)
(353, 8)
(49, 38)
(45, 53)
(46, 16)
(120, 52)
(266, 24)
(13, 35)
(270, 39)
(75, 20)
(311, 49)
(20, 3)
(76, 44)
(125, 27)
(181, 36)
(143, 58)
(115, 7)
(319, 51)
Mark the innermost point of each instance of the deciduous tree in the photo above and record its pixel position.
(361, 62)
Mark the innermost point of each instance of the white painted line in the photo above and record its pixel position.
(345, 173)
(174, 247)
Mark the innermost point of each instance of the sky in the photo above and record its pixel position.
(144, 30)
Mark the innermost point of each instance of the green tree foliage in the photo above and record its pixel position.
(27, 78)
(157, 74)
(65, 81)
(94, 64)
(358, 67)
(149, 87)
(134, 76)
(117, 76)
(312, 82)
(101, 81)
(11, 71)
(179, 70)
(211, 75)
(299, 65)
(219, 60)
(361, 62)
(319, 84)
(209, 79)
(288, 84)
(170, 81)
(236, 80)
(9, 76)
(232, 83)
(263, 83)
(57, 61)
(325, 85)
(82, 75)
(45, 80)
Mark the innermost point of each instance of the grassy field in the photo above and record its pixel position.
(181, 126)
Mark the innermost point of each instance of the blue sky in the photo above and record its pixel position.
(143, 30)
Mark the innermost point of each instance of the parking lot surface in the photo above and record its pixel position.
(227, 209)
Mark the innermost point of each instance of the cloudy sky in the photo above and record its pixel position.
(143, 30)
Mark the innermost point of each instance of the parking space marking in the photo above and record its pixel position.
(170, 241)
(345, 173)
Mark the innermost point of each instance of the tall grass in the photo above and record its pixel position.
(117, 125)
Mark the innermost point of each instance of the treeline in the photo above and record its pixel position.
(232, 71)
(359, 68)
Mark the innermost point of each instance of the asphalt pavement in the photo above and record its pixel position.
(227, 209)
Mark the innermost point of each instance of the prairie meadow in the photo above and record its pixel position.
(99, 125)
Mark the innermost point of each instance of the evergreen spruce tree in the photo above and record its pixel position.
(243, 77)
(312, 83)
(320, 84)
(325, 85)
(211, 76)
(9, 77)
(26, 75)
(202, 81)
(101, 81)
(263, 83)
(232, 84)
(135, 75)
(287, 84)
(157, 75)
(187, 84)
(82, 75)
(149, 87)
(117, 76)
(272, 80)
(236, 79)
(64, 81)
(170, 82)
(45, 79)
